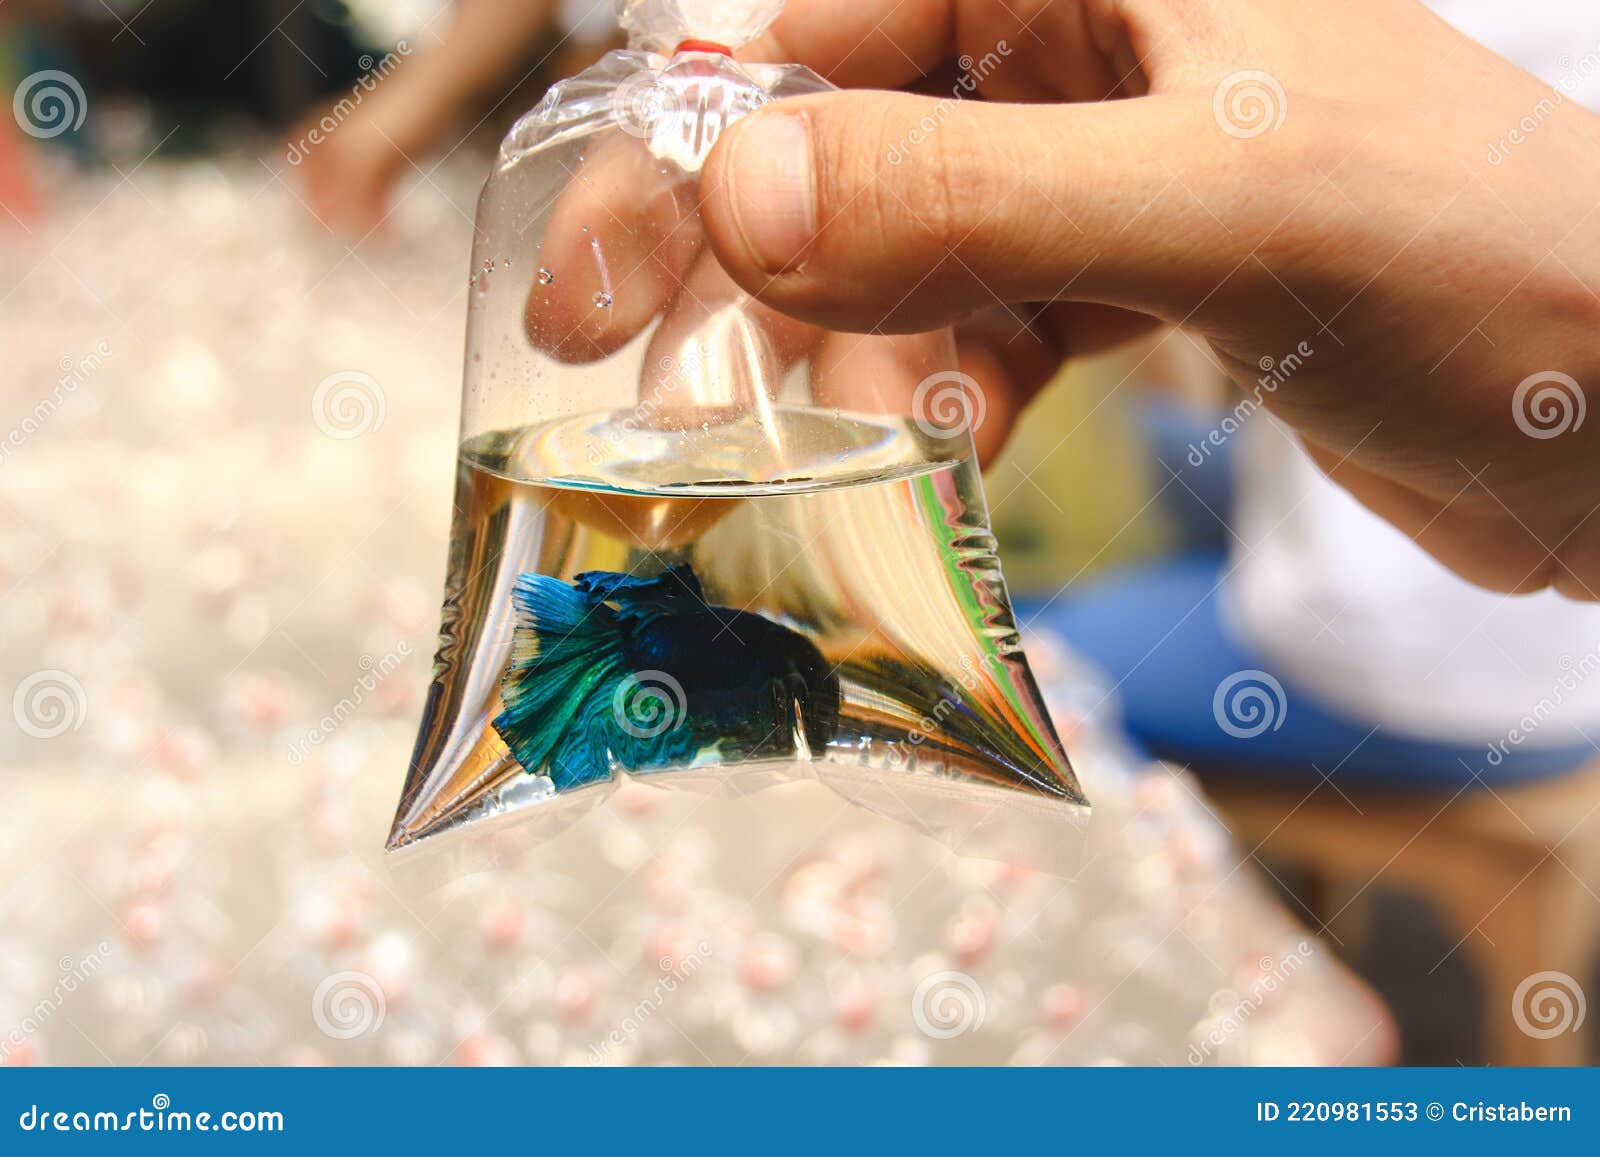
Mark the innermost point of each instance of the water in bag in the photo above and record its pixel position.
(696, 541)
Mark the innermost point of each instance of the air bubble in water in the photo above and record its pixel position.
(545, 276)
(602, 300)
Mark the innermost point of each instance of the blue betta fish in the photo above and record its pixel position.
(642, 672)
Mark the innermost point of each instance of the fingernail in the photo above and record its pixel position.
(773, 193)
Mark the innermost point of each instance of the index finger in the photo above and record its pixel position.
(618, 242)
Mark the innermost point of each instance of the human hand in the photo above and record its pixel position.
(1355, 209)
(353, 151)
(347, 174)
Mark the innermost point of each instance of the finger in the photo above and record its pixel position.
(717, 349)
(863, 210)
(613, 253)
(879, 374)
(1010, 355)
(1001, 394)
(1071, 49)
(1033, 340)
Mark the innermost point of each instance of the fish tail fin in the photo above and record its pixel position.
(566, 660)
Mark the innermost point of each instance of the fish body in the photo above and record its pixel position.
(643, 673)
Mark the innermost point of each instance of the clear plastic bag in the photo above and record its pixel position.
(695, 540)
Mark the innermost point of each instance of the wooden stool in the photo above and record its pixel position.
(1514, 870)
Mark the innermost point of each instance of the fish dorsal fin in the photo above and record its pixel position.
(678, 583)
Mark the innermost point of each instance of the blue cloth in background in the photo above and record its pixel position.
(1156, 632)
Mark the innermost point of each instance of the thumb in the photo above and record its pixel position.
(860, 210)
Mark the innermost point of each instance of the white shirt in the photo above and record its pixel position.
(1344, 604)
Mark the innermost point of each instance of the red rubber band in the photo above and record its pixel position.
(702, 46)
